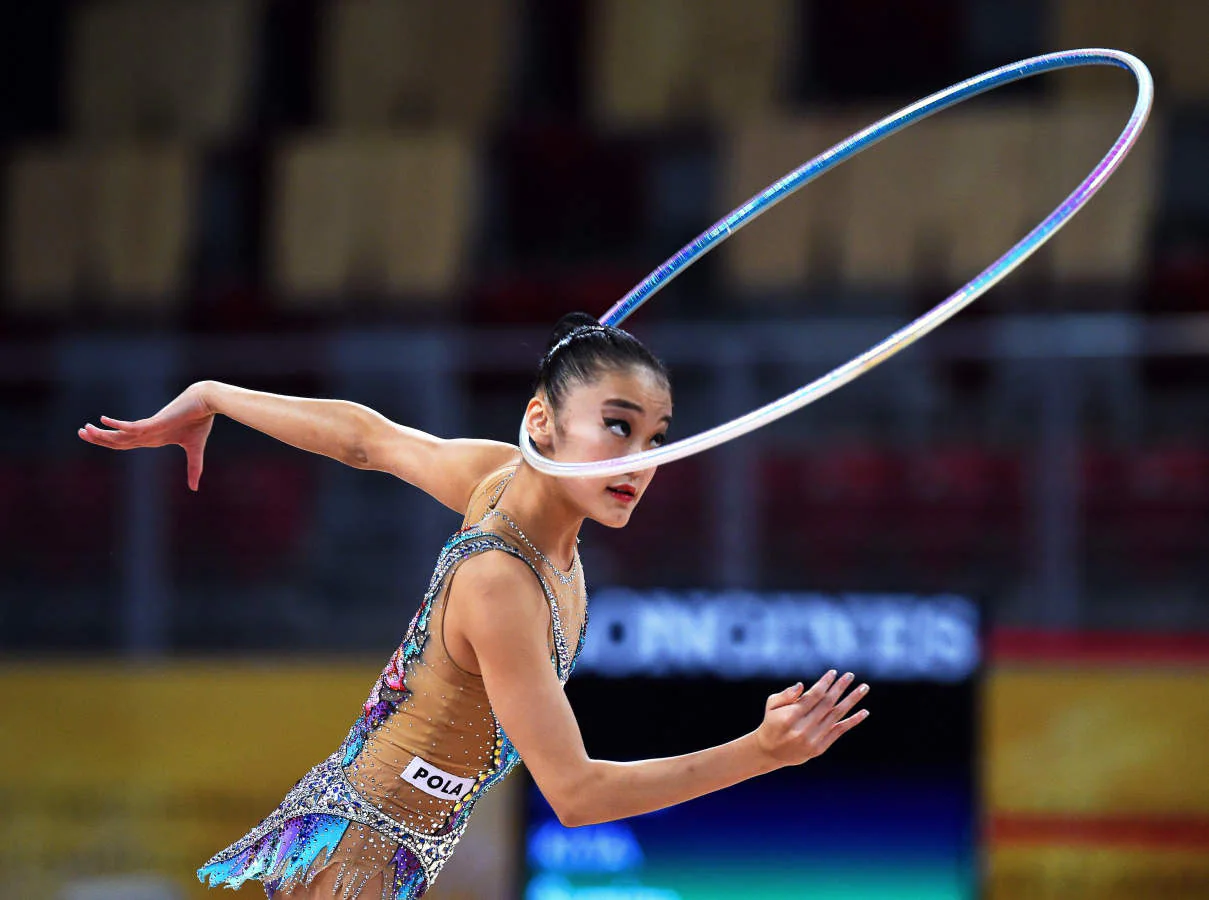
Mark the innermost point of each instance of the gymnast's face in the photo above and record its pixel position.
(621, 412)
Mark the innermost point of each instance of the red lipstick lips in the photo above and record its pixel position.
(626, 493)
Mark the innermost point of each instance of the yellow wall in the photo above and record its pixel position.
(1089, 872)
(1097, 782)
(106, 768)
(1098, 740)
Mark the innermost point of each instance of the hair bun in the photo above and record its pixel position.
(569, 323)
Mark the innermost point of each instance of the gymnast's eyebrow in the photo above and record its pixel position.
(630, 404)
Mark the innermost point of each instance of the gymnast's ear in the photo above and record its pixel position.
(539, 423)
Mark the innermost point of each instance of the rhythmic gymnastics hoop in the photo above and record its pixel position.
(905, 336)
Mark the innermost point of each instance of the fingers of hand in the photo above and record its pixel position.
(827, 698)
(845, 705)
(100, 436)
(817, 691)
(837, 688)
(121, 435)
(843, 727)
(783, 698)
(809, 725)
(194, 471)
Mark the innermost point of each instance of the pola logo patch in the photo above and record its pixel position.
(431, 780)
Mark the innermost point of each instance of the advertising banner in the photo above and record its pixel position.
(118, 781)
(1096, 775)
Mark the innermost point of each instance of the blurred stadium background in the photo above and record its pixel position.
(390, 201)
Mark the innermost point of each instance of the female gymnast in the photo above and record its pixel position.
(477, 683)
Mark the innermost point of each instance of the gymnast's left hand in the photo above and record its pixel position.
(801, 724)
(185, 422)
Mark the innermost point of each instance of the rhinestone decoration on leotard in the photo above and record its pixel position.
(298, 839)
(565, 578)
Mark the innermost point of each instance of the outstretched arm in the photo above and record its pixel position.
(499, 611)
(348, 432)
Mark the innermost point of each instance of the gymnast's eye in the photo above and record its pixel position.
(660, 439)
(619, 427)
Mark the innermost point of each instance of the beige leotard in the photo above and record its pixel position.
(381, 816)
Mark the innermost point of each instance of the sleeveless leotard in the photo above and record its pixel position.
(380, 817)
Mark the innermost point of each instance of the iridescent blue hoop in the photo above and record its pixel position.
(904, 337)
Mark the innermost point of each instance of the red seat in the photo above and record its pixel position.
(663, 544)
(16, 499)
(1104, 510)
(1167, 521)
(597, 288)
(963, 512)
(828, 514)
(517, 299)
(523, 299)
(250, 515)
(74, 507)
(1180, 279)
(569, 197)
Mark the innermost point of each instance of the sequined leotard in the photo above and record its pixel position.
(381, 816)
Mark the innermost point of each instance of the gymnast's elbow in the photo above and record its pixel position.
(567, 804)
(576, 801)
(571, 813)
(571, 797)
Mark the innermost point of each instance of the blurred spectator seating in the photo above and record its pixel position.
(1180, 270)
(433, 62)
(149, 67)
(251, 515)
(1168, 490)
(16, 499)
(942, 201)
(1180, 275)
(518, 298)
(795, 242)
(987, 185)
(1184, 67)
(666, 543)
(111, 221)
(947, 516)
(830, 515)
(385, 216)
(1108, 242)
(963, 519)
(939, 203)
(1168, 35)
(514, 298)
(939, 518)
(1105, 514)
(891, 225)
(567, 197)
(70, 520)
(1121, 24)
(1146, 511)
(658, 59)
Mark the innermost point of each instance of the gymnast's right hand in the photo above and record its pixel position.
(186, 422)
(800, 724)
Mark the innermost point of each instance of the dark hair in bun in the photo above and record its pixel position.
(580, 349)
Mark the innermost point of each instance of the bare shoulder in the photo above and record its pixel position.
(476, 460)
(483, 456)
(447, 469)
(487, 467)
(498, 590)
(498, 574)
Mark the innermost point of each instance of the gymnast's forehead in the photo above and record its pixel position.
(632, 389)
